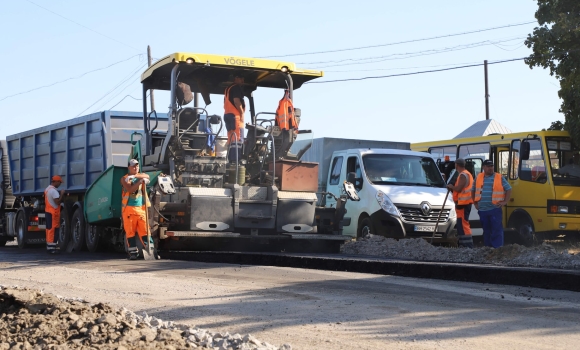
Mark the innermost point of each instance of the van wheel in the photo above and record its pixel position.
(365, 227)
(21, 231)
(78, 230)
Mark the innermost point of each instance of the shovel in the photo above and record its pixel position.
(443, 206)
(148, 250)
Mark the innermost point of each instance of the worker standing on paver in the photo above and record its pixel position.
(462, 196)
(52, 200)
(133, 208)
(234, 108)
(492, 192)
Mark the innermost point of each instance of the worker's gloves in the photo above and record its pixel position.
(130, 179)
(146, 181)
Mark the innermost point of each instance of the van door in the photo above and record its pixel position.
(353, 209)
(335, 178)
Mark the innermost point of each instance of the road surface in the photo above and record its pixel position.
(309, 309)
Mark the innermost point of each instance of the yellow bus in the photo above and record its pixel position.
(542, 168)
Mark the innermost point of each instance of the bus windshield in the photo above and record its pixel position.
(402, 170)
(564, 161)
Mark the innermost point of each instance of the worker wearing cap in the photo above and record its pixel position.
(462, 196)
(133, 207)
(52, 200)
(234, 108)
(492, 192)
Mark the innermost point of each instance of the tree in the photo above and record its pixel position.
(556, 45)
(557, 125)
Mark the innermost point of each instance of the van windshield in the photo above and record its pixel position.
(403, 170)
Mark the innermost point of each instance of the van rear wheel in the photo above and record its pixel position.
(365, 227)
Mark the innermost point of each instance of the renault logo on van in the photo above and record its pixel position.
(425, 208)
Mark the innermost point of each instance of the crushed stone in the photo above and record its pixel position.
(31, 319)
(544, 255)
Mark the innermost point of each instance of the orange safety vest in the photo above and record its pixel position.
(464, 197)
(125, 196)
(285, 117)
(497, 194)
(229, 107)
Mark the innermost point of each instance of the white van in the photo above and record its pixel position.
(401, 192)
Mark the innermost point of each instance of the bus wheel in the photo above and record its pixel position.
(21, 231)
(77, 230)
(365, 227)
(526, 233)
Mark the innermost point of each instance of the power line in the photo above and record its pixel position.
(115, 88)
(115, 105)
(398, 68)
(412, 73)
(402, 42)
(71, 78)
(78, 24)
(409, 54)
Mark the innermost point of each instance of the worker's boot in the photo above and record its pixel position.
(133, 253)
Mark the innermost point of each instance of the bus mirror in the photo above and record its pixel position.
(525, 150)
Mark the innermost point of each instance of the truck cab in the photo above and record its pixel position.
(401, 194)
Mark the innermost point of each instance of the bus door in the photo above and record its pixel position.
(530, 185)
(501, 156)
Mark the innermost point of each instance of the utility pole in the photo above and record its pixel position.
(151, 91)
(486, 92)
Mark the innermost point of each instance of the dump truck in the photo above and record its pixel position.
(263, 199)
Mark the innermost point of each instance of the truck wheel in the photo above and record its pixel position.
(21, 231)
(64, 230)
(93, 238)
(365, 227)
(77, 230)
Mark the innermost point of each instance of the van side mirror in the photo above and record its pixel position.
(525, 150)
(351, 191)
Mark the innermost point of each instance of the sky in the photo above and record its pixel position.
(63, 59)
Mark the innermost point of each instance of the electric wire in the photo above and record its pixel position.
(115, 88)
(402, 42)
(71, 78)
(413, 73)
(81, 25)
(400, 56)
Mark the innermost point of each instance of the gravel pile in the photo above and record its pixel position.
(30, 319)
(544, 255)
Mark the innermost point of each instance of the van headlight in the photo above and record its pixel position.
(386, 204)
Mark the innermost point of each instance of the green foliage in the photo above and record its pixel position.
(557, 125)
(556, 45)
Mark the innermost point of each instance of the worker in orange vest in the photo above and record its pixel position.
(234, 108)
(286, 121)
(133, 208)
(492, 192)
(52, 200)
(462, 196)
